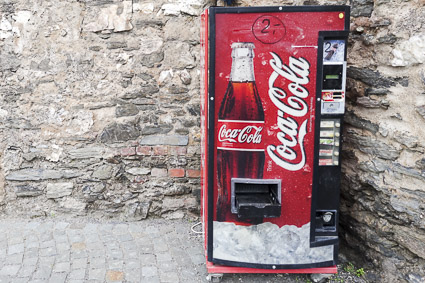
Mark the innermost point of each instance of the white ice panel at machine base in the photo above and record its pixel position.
(266, 243)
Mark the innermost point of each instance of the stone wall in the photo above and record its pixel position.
(99, 108)
(99, 116)
(383, 205)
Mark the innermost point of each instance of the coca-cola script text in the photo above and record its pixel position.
(291, 134)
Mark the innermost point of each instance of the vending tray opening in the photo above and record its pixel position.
(256, 198)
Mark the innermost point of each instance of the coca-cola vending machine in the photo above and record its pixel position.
(272, 107)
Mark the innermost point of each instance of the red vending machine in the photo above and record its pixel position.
(273, 96)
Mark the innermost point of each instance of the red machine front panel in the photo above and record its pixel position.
(275, 142)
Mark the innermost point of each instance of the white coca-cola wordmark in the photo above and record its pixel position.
(291, 134)
(245, 135)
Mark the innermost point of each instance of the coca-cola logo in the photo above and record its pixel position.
(291, 134)
(249, 134)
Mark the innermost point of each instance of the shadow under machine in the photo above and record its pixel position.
(272, 108)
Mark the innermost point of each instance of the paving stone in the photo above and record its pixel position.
(63, 256)
(15, 239)
(61, 239)
(149, 271)
(132, 275)
(97, 274)
(47, 244)
(167, 266)
(14, 259)
(133, 254)
(115, 254)
(154, 279)
(15, 249)
(197, 259)
(163, 256)
(169, 277)
(78, 254)
(32, 244)
(19, 280)
(115, 264)
(92, 238)
(29, 261)
(61, 226)
(160, 247)
(48, 251)
(77, 274)
(57, 278)
(147, 259)
(79, 263)
(27, 270)
(9, 270)
(132, 264)
(42, 272)
(62, 267)
(98, 262)
(146, 249)
(114, 276)
(31, 253)
(97, 253)
(125, 237)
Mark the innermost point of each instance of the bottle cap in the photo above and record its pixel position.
(249, 45)
(243, 49)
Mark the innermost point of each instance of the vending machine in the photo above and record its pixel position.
(272, 109)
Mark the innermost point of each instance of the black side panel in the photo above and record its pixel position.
(211, 125)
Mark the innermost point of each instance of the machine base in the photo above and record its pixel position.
(219, 269)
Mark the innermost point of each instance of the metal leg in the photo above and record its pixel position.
(214, 277)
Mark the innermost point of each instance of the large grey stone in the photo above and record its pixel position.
(370, 77)
(28, 191)
(406, 139)
(57, 190)
(151, 44)
(421, 110)
(149, 60)
(41, 174)
(86, 152)
(127, 109)
(138, 171)
(172, 204)
(362, 8)
(374, 147)
(359, 122)
(119, 132)
(112, 17)
(9, 62)
(410, 52)
(137, 211)
(178, 56)
(72, 205)
(103, 172)
(160, 129)
(165, 140)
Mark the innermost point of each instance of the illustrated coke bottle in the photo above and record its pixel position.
(240, 151)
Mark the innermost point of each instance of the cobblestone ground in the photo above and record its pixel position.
(86, 251)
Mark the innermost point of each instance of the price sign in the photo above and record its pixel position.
(268, 29)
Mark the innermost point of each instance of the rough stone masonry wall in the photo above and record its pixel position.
(99, 108)
(99, 116)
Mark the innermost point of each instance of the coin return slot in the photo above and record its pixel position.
(253, 198)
